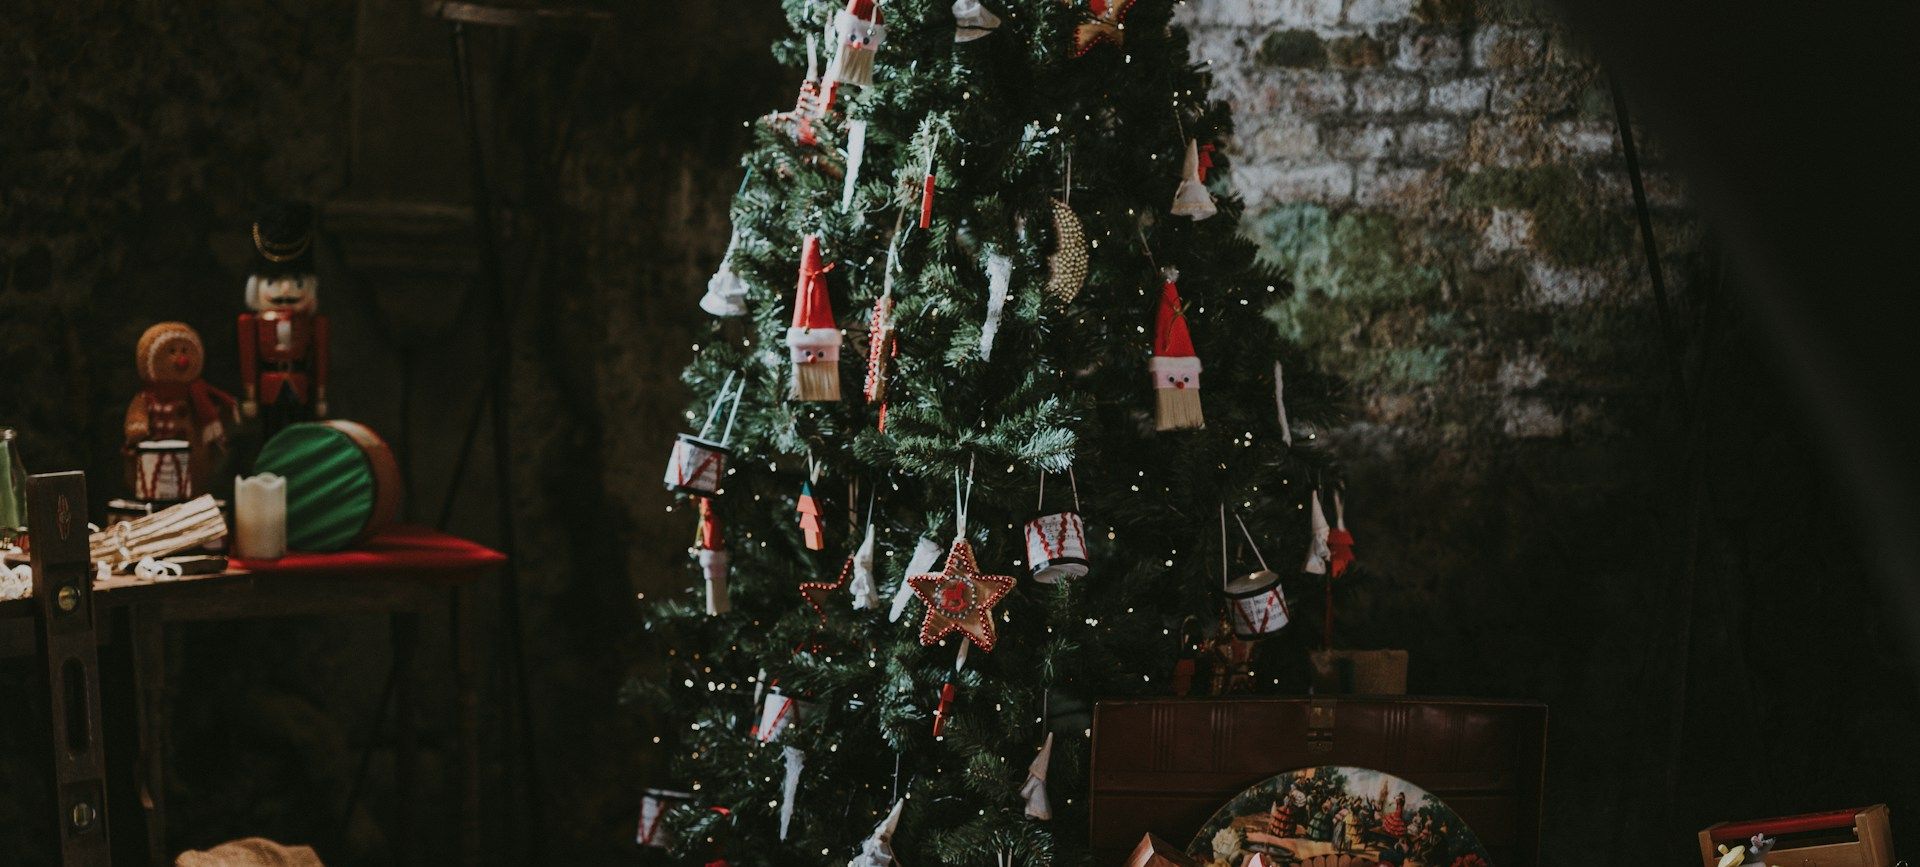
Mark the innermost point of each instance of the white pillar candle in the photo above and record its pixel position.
(260, 517)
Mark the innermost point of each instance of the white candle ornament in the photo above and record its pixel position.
(260, 517)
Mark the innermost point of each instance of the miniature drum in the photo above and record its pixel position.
(776, 714)
(1057, 547)
(163, 470)
(696, 466)
(1255, 604)
(654, 806)
(342, 483)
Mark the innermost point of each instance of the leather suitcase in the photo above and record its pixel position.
(1164, 765)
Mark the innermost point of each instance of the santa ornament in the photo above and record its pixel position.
(866, 594)
(1256, 604)
(1057, 541)
(698, 465)
(1192, 199)
(1318, 552)
(1175, 368)
(710, 550)
(861, 35)
(814, 338)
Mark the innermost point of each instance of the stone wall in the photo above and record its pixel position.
(1540, 513)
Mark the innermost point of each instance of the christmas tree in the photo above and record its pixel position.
(955, 472)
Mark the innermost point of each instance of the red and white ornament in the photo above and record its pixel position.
(654, 806)
(1256, 603)
(1057, 541)
(710, 550)
(698, 465)
(777, 713)
(1175, 368)
(814, 338)
(1339, 540)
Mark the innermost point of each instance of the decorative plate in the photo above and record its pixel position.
(1335, 817)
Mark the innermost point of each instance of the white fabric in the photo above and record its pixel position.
(926, 555)
(972, 20)
(1035, 791)
(877, 850)
(999, 279)
(1167, 370)
(1317, 551)
(789, 785)
(16, 583)
(865, 595)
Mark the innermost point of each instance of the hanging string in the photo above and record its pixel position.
(713, 409)
(1225, 576)
(739, 391)
(962, 499)
(1252, 544)
(1280, 405)
(1142, 233)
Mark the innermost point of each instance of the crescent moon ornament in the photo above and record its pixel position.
(1067, 266)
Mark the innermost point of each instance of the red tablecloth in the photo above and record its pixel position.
(396, 549)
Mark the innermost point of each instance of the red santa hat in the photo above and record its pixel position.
(814, 336)
(863, 10)
(1174, 363)
(708, 537)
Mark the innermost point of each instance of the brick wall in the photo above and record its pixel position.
(1444, 183)
(1538, 514)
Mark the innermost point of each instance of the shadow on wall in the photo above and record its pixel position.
(144, 144)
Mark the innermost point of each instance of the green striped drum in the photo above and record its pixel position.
(342, 483)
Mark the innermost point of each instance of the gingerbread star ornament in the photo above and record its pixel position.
(960, 599)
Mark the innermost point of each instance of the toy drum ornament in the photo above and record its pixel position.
(1256, 603)
(779, 711)
(654, 806)
(163, 470)
(343, 485)
(698, 465)
(1057, 541)
(1057, 547)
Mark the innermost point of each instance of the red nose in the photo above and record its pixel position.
(181, 361)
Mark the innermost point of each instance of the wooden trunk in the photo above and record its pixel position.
(1164, 765)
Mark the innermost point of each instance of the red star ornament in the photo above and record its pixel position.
(960, 599)
(818, 593)
(1105, 23)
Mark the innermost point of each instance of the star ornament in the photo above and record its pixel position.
(960, 599)
(817, 593)
(1105, 23)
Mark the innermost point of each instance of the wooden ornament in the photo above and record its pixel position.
(960, 599)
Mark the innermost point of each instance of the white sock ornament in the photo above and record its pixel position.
(1192, 199)
(1035, 790)
(877, 849)
(972, 21)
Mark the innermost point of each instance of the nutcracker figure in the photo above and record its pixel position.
(283, 341)
(176, 425)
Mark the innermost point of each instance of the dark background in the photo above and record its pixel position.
(1697, 586)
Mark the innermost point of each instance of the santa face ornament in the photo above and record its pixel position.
(861, 35)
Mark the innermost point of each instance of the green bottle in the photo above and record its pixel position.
(13, 488)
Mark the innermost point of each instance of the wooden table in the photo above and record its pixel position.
(404, 573)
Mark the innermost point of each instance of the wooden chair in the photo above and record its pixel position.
(63, 603)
